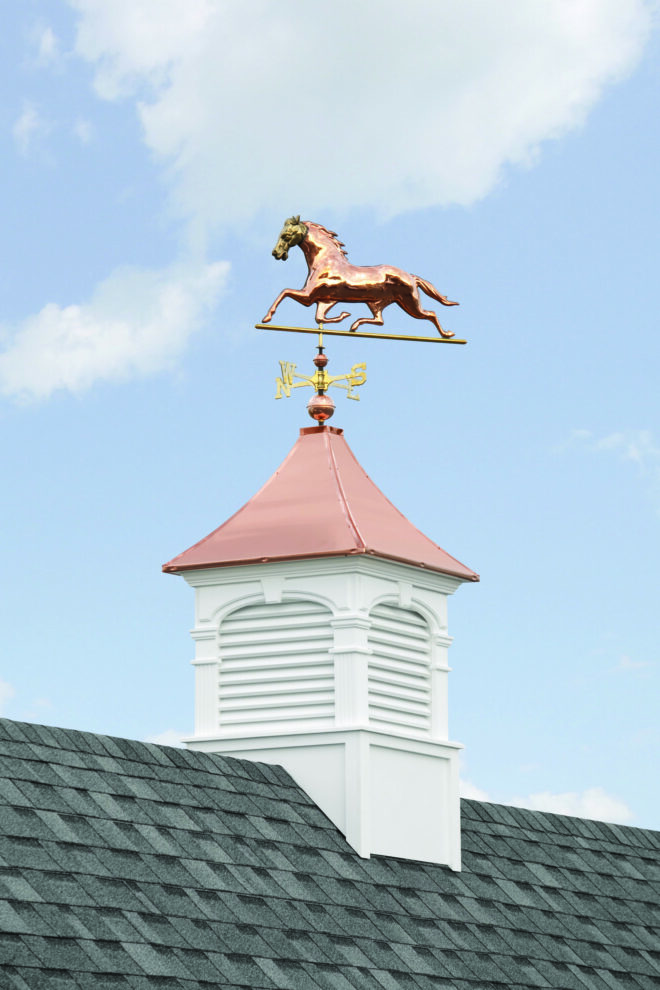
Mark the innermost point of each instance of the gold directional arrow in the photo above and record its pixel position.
(320, 380)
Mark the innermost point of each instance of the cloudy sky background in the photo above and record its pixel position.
(509, 153)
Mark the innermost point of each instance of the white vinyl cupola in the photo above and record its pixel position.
(321, 645)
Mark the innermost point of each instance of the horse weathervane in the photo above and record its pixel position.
(331, 279)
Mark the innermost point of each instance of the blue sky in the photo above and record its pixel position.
(509, 153)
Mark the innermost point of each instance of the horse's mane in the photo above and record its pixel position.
(341, 247)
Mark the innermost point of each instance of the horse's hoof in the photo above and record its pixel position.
(447, 334)
(267, 318)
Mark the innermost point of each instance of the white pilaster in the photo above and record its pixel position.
(351, 658)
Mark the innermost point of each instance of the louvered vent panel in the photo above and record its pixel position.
(275, 666)
(399, 669)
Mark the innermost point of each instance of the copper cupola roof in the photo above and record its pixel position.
(319, 503)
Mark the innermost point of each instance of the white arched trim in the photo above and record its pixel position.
(244, 601)
(414, 604)
(218, 615)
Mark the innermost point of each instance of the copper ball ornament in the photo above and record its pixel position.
(321, 360)
(320, 407)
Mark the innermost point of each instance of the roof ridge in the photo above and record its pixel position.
(176, 755)
(522, 812)
(403, 516)
(343, 499)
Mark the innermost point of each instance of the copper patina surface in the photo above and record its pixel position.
(331, 278)
(319, 503)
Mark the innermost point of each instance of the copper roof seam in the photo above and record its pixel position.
(344, 501)
(474, 575)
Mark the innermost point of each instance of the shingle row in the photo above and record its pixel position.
(134, 866)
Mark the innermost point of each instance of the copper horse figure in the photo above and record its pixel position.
(332, 279)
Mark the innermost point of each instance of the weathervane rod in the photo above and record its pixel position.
(361, 333)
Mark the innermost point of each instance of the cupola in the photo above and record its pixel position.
(321, 645)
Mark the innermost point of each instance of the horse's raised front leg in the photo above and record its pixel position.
(376, 309)
(298, 295)
(322, 310)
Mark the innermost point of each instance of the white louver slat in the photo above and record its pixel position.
(399, 669)
(275, 667)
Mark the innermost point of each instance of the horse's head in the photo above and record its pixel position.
(293, 232)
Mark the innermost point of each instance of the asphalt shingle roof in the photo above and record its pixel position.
(130, 866)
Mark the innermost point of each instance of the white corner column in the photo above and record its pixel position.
(206, 665)
(351, 666)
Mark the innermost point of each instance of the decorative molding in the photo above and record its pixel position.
(355, 565)
(405, 594)
(272, 587)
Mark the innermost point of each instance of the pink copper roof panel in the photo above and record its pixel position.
(320, 502)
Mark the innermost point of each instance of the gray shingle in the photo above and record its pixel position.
(138, 867)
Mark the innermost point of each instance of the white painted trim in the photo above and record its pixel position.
(311, 737)
(352, 563)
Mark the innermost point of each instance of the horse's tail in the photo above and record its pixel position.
(431, 291)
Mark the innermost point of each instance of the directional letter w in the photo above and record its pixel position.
(285, 383)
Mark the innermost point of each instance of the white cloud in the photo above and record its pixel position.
(594, 802)
(42, 703)
(394, 106)
(136, 323)
(7, 692)
(46, 50)
(627, 664)
(38, 710)
(469, 790)
(28, 128)
(645, 738)
(83, 130)
(170, 737)
(47, 44)
(638, 447)
(591, 803)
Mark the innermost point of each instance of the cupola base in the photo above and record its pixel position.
(390, 795)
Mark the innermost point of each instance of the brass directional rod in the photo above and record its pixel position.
(360, 333)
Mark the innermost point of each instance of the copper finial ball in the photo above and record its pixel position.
(320, 407)
(321, 360)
